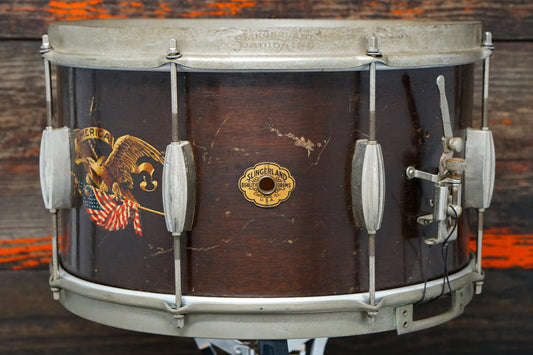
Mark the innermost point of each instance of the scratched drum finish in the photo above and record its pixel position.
(305, 122)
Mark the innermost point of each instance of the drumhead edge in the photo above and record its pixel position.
(251, 44)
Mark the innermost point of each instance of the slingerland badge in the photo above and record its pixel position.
(266, 184)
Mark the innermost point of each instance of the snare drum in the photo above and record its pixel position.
(235, 178)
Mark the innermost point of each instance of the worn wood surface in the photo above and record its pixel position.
(22, 119)
(511, 19)
(500, 321)
(301, 121)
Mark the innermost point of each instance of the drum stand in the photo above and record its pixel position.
(266, 347)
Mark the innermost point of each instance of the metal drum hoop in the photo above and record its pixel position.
(281, 44)
(265, 318)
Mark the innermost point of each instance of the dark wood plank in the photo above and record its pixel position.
(496, 322)
(21, 123)
(511, 19)
(510, 112)
(22, 99)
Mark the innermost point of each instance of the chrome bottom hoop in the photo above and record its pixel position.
(262, 318)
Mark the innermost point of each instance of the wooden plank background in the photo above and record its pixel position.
(510, 19)
(503, 314)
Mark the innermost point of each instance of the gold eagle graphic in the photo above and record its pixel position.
(113, 175)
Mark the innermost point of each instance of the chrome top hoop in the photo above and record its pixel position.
(251, 44)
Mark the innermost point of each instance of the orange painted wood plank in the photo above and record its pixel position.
(18, 254)
(25, 240)
(23, 249)
(512, 19)
(502, 249)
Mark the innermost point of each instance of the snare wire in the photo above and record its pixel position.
(420, 258)
(444, 254)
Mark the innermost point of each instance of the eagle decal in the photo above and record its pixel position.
(107, 189)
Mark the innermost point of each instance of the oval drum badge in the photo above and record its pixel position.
(266, 184)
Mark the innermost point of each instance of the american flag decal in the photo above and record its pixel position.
(110, 213)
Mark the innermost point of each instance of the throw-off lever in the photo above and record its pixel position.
(448, 182)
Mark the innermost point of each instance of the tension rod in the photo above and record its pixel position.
(45, 48)
(174, 54)
(372, 51)
(487, 43)
(178, 181)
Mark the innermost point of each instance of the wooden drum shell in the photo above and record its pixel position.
(307, 122)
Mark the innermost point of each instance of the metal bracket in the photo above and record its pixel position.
(405, 322)
(180, 320)
(412, 173)
(448, 182)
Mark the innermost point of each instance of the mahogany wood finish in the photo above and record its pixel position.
(305, 122)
